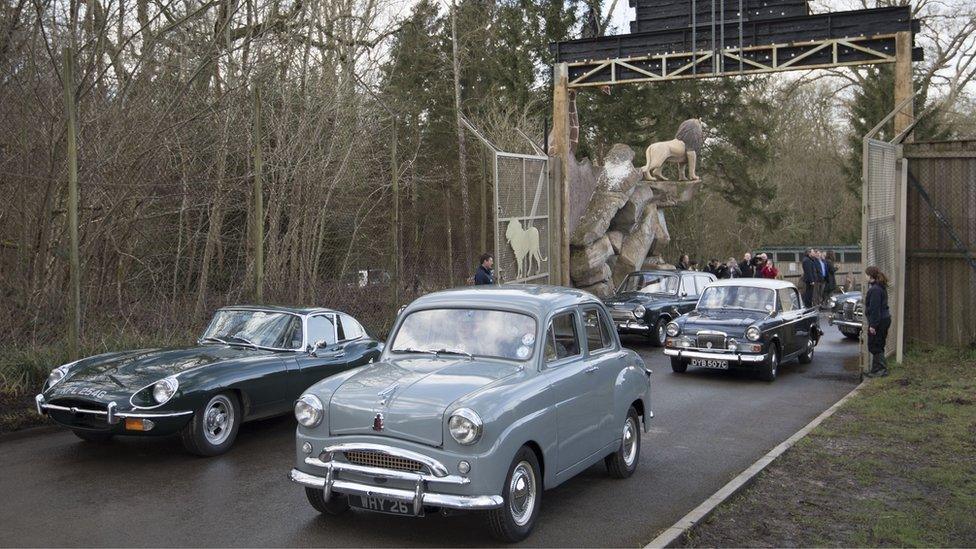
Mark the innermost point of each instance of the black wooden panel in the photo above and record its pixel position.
(848, 24)
(654, 15)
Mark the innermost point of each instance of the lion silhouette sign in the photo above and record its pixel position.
(525, 244)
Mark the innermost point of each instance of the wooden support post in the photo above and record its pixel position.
(901, 211)
(904, 86)
(257, 225)
(74, 263)
(560, 150)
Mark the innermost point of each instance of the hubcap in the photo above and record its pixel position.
(630, 442)
(522, 493)
(774, 361)
(218, 420)
(661, 334)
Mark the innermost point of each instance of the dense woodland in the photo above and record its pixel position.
(352, 106)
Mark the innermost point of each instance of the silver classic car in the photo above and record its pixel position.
(481, 399)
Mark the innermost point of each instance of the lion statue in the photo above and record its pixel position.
(682, 150)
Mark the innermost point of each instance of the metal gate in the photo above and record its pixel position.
(522, 218)
(882, 229)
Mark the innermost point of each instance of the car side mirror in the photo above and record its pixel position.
(312, 349)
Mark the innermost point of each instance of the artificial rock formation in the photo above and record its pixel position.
(622, 228)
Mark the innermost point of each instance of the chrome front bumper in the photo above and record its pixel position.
(631, 325)
(846, 323)
(419, 497)
(111, 416)
(731, 357)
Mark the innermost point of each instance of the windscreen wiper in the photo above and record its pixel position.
(412, 350)
(217, 339)
(453, 352)
(244, 340)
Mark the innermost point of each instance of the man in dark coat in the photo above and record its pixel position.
(485, 274)
(747, 267)
(810, 276)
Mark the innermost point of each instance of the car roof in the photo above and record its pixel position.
(280, 309)
(532, 298)
(769, 283)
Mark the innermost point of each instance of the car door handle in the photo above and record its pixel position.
(592, 369)
(338, 354)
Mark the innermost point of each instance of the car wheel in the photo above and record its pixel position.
(335, 505)
(213, 428)
(678, 366)
(659, 335)
(853, 334)
(807, 357)
(522, 498)
(93, 436)
(623, 462)
(771, 367)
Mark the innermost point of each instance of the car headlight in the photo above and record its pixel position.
(164, 389)
(639, 311)
(309, 410)
(753, 333)
(832, 302)
(672, 329)
(57, 375)
(465, 426)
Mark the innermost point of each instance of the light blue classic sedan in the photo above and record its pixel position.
(482, 398)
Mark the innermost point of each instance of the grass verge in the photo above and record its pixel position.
(896, 466)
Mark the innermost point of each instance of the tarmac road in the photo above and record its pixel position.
(56, 490)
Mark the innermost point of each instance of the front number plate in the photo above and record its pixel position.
(709, 363)
(381, 505)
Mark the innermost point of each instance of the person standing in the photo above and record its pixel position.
(879, 319)
(746, 268)
(822, 272)
(683, 263)
(809, 277)
(768, 269)
(485, 274)
(733, 268)
(831, 284)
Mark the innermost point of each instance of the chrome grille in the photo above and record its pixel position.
(848, 310)
(717, 341)
(622, 314)
(383, 461)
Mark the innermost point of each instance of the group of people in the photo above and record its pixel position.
(819, 276)
(758, 266)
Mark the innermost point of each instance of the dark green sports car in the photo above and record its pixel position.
(250, 363)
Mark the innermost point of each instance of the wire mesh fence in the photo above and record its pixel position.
(880, 220)
(523, 224)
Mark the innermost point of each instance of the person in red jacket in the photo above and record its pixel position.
(767, 269)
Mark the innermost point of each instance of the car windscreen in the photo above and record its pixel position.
(477, 332)
(738, 297)
(258, 328)
(649, 284)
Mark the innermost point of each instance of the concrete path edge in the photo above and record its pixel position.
(671, 534)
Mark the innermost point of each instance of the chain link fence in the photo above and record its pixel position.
(522, 220)
(880, 227)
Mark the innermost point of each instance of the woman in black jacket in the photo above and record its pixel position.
(879, 320)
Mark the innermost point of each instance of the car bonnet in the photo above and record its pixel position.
(411, 394)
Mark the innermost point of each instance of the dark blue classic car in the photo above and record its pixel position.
(745, 323)
(847, 313)
(250, 363)
(647, 300)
